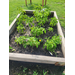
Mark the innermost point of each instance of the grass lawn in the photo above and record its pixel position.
(55, 5)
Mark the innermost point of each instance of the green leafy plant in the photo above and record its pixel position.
(36, 31)
(32, 41)
(20, 28)
(51, 44)
(24, 70)
(35, 73)
(53, 21)
(10, 48)
(41, 16)
(50, 29)
(44, 73)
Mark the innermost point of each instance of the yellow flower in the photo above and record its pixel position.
(40, 40)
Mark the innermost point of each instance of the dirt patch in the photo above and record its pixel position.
(34, 50)
(16, 68)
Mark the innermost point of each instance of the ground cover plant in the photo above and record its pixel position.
(32, 31)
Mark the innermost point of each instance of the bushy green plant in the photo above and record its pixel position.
(32, 41)
(36, 31)
(50, 29)
(53, 21)
(51, 44)
(20, 28)
(41, 17)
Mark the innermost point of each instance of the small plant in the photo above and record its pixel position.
(35, 73)
(51, 44)
(53, 21)
(50, 29)
(10, 48)
(24, 70)
(36, 31)
(20, 28)
(44, 73)
(32, 41)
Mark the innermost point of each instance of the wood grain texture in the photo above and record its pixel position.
(36, 58)
(60, 33)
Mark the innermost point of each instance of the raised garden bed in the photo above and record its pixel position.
(33, 54)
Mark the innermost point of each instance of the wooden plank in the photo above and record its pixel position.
(42, 2)
(36, 58)
(45, 2)
(26, 2)
(60, 33)
(13, 25)
(30, 1)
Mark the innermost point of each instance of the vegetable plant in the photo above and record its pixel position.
(20, 28)
(25, 40)
(41, 17)
(50, 29)
(51, 44)
(36, 31)
(53, 21)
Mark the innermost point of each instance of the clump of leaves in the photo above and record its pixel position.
(21, 28)
(32, 41)
(50, 29)
(36, 31)
(53, 21)
(51, 44)
(41, 17)
(10, 48)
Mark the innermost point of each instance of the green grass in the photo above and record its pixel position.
(55, 5)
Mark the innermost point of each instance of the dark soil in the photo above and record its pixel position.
(34, 50)
(16, 68)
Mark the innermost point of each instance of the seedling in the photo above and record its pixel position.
(36, 31)
(50, 29)
(10, 48)
(44, 73)
(35, 73)
(53, 21)
(51, 44)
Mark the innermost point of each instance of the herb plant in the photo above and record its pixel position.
(53, 21)
(51, 44)
(36, 31)
(32, 41)
(50, 29)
